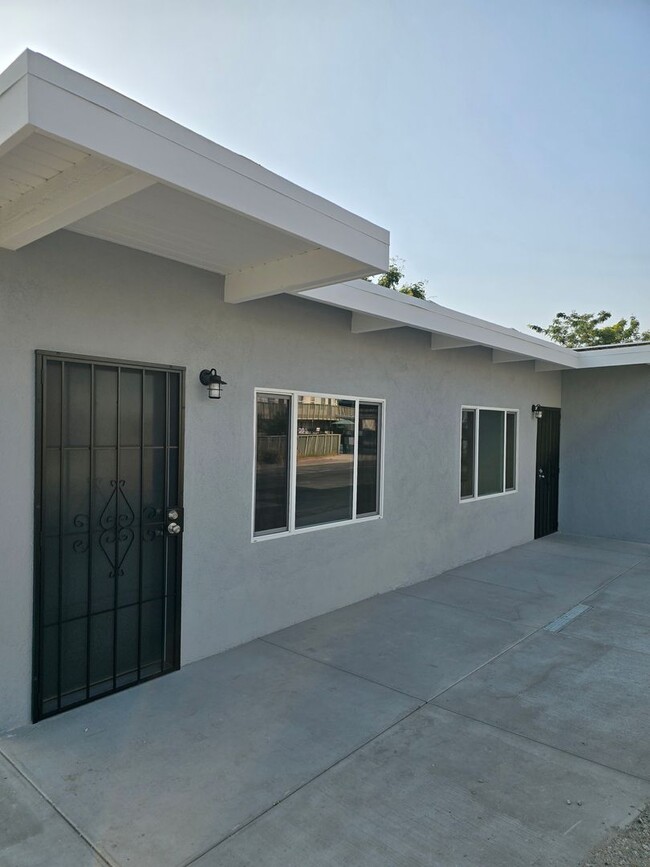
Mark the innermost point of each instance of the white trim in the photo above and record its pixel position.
(362, 296)
(47, 77)
(614, 356)
(452, 330)
(293, 463)
(42, 96)
(477, 423)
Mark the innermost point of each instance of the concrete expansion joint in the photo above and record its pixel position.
(417, 698)
(542, 743)
(195, 858)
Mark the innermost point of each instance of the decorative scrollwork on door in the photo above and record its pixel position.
(115, 520)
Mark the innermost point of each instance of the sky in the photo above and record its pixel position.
(504, 143)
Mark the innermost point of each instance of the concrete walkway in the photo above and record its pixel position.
(440, 724)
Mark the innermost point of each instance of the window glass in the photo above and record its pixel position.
(490, 452)
(368, 460)
(511, 450)
(324, 460)
(467, 453)
(272, 462)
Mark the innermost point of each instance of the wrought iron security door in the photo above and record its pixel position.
(108, 527)
(547, 472)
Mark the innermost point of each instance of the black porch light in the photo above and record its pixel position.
(213, 382)
(537, 410)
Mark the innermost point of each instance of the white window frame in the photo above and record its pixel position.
(292, 530)
(477, 424)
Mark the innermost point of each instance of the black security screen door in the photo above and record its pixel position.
(108, 527)
(547, 472)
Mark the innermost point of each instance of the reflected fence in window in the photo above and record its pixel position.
(317, 462)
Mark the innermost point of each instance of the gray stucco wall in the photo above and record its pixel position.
(605, 453)
(75, 294)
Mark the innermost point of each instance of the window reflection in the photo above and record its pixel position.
(467, 453)
(490, 452)
(325, 460)
(272, 463)
(511, 450)
(368, 460)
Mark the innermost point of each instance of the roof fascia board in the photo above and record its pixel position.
(14, 115)
(118, 104)
(363, 297)
(14, 72)
(92, 121)
(624, 355)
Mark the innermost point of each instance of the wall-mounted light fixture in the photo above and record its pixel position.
(213, 382)
(537, 410)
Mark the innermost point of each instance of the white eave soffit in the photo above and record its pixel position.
(375, 308)
(70, 148)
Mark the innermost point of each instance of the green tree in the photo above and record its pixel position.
(576, 330)
(395, 274)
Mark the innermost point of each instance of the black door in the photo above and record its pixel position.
(108, 527)
(547, 471)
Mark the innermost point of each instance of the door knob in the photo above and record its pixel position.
(174, 529)
(540, 473)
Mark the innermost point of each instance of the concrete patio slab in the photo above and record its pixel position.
(156, 775)
(614, 627)
(552, 546)
(437, 790)
(630, 592)
(565, 576)
(578, 695)
(32, 833)
(320, 751)
(415, 646)
(532, 607)
(585, 542)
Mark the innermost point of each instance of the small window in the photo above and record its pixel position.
(323, 467)
(488, 452)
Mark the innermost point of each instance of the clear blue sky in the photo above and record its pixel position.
(505, 143)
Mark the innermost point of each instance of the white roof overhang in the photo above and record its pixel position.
(76, 155)
(615, 356)
(375, 308)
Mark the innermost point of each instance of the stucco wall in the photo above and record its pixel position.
(74, 294)
(605, 453)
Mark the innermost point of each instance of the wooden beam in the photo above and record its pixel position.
(362, 323)
(318, 267)
(443, 341)
(89, 185)
(499, 356)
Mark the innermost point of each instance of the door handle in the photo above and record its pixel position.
(540, 473)
(174, 529)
